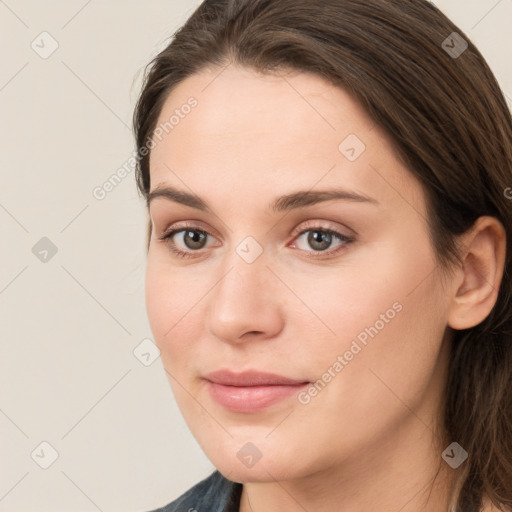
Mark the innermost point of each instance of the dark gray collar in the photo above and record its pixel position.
(214, 494)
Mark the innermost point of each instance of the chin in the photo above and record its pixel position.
(243, 462)
(258, 473)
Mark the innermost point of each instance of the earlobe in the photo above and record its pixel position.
(484, 248)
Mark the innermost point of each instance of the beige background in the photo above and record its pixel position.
(69, 325)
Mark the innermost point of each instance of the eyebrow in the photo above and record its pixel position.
(283, 203)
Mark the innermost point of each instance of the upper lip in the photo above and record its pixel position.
(250, 378)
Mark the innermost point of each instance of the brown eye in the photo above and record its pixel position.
(193, 239)
(319, 240)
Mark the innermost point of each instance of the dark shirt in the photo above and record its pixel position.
(213, 494)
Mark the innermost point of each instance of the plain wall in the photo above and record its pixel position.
(70, 321)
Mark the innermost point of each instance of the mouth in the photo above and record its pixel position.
(250, 391)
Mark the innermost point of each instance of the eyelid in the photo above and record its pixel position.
(321, 224)
(195, 225)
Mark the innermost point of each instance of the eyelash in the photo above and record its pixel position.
(190, 227)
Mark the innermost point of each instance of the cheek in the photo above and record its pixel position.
(389, 323)
(159, 300)
(388, 308)
(351, 299)
(170, 304)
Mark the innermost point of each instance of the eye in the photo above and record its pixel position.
(320, 239)
(184, 241)
(189, 237)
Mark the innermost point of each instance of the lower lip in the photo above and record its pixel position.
(251, 398)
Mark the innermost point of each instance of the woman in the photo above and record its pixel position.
(329, 255)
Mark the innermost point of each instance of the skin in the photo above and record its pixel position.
(367, 440)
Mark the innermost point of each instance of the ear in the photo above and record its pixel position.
(483, 256)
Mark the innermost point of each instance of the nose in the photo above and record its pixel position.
(245, 305)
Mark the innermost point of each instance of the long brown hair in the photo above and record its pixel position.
(449, 123)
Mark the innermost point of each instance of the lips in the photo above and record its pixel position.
(250, 391)
(250, 378)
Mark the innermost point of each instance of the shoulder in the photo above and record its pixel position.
(215, 493)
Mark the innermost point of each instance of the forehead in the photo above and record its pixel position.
(259, 134)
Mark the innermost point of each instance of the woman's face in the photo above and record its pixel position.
(341, 295)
